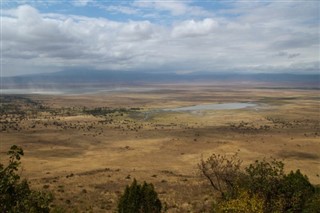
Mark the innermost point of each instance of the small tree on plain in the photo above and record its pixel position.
(139, 198)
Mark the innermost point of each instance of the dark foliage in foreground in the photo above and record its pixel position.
(15, 194)
(261, 187)
(139, 198)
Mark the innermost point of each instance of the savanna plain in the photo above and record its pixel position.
(85, 148)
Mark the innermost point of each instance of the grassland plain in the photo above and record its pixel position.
(87, 148)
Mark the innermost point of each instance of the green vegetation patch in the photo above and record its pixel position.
(261, 187)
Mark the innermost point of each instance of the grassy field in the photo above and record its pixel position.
(87, 148)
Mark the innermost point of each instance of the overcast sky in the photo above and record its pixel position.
(160, 36)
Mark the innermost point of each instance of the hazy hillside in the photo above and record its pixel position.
(95, 77)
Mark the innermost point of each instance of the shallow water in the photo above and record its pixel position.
(72, 91)
(30, 91)
(224, 106)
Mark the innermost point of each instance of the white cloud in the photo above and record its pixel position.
(136, 31)
(192, 28)
(121, 9)
(80, 3)
(53, 39)
(265, 39)
(175, 8)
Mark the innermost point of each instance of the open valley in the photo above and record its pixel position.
(86, 148)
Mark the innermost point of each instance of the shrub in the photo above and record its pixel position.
(222, 172)
(295, 189)
(312, 205)
(281, 192)
(264, 178)
(16, 195)
(139, 199)
(262, 187)
(243, 203)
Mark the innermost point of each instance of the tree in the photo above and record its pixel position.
(295, 190)
(281, 192)
(139, 199)
(222, 172)
(313, 203)
(16, 195)
(262, 187)
(264, 178)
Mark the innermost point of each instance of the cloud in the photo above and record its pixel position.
(80, 3)
(136, 31)
(296, 41)
(192, 28)
(293, 55)
(70, 40)
(288, 55)
(175, 8)
(121, 9)
(242, 39)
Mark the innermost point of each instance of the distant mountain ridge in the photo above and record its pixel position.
(80, 77)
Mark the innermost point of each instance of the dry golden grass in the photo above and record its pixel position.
(87, 162)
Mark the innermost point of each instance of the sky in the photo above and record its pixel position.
(177, 36)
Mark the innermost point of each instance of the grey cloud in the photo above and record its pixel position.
(294, 42)
(288, 55)
(293, 55)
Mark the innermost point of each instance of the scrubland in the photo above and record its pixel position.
(87, 148)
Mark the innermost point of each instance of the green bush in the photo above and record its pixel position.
(265, 178)
(312, 204)
(262, 184)
(281, 192)
(139, 199)
(295, 190)
(15, 194)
